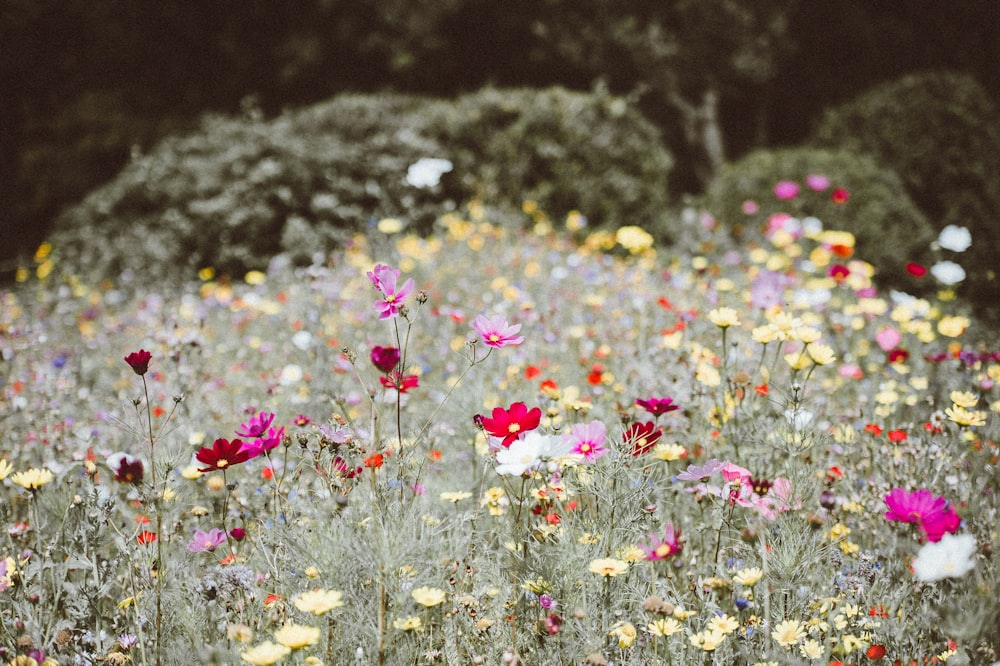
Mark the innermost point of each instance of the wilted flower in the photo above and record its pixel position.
(951, 557)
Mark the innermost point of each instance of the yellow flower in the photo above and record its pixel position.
(409, 624)
(668, 452)
(953, 326)
(390, 225)
(265, 654)
(811, 649)
(633, 554)
(724, 317)
(748, 577)
(797, 360)
(821, 354)
(766, 334)
(495, 499)
(608, 567)
(455, 497)
(964, 417)
(682, 614)
(239, 632)
(625, 633)
(634, 239)
(806, 334)
(788, 633)
(319, 601)
(32, 479)
(297, 636)
(5, 469)
(664, 627)
(723, 624)
(428, 596)
(707, 640)
(965, 399)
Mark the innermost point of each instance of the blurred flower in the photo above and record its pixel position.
(206, 540)
(724, 317)
(455, 497)
(953, 326)
(5, 468)
(955, 238)
(640, 438)
(965, 417)
(748, 577)
(496, 332)
(265, 443)
(127, 469)
(817, 182)
(139, 361)
(222, 455)
(964, 399)
(664, 627)
(256, 426)
(587, 440)
(7, 569)
(524, 455)
(948, 272)
(265, 654)
(511, 423)
(297, 636)
(668, 546)
(634, 239)
(625, 633)
(915, 269)
(788, 633)
(384, 279)
(657, 406)
(786, 190)
(385, 358)
(931, 514)
(399, 381)
(951, 557)
(32, 479)
(608, 567)
(318, 601)
(427, 171)
(840, 196)
(408, 624)
(428, 596)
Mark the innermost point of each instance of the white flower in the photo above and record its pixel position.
(948, 272)
(302, 340)
(955, 238)
(798, 418)
(526, 454)
(427, 171)
(951, 557)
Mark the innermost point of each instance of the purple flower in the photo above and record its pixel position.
(817, 182)
(701, 472)
(256, 426)
(384, 279)
(206, 540)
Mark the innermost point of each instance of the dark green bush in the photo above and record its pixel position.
(890, 230)
(239, 191)
(940, 132)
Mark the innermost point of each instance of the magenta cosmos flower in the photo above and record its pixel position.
(668, 546)
(510, 424)
(209, 540)
(786, 190)
(657, 406)
(496, 331)
(587, 440)
(256, 426)
(139, 361)
(931, 514)
(385, 358)
(384, 279)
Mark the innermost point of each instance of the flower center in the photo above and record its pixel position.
(222, 462)
(494, 337)
(390, 298)
(514, 427)
(585, 448)
(663, 550)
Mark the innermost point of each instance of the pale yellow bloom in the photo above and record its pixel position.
(723, 624)
(5, 469)
(265, 654)
(319, 601)
(634, 239)
(748, 577)
(495, 499)
(962, 417)
(239, 632)
(724, 317)
(953, 326)
(390, 225)
(428, 596)
(798, 360)
(806, 334)
(32, 479)
(455, 497)
(625, 633)
(765, 334)
(608, 567)
(965, 399)
(812, 649)
(821, 354)
(297, 636)
(682, 614)
(707, 640)
(664, 627)
(668, 452)
(409, 624)
(788, 633)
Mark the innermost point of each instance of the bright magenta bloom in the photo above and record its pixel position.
(510, 424)
(587, 440)
(668, 546)
(931, 514)
(139, 361)
(640, 438)
(496, 332)
(256, 426)
(384, 279)
(657, 406)
(385, 358)
(222, 455)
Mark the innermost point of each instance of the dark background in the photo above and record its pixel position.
(85, 84)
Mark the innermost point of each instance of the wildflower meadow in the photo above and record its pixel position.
(524, 443)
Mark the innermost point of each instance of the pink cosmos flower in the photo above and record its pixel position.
(587, 440)
(206, 540)
(496, 331)
(668, 546)
(256, 426)
(384, 279)
(786, 190)
(259, 445)
(931, 514)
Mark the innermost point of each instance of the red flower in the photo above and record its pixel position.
(840, 196)
(875, 652)
(873, 429)
(402, 383)
(139, 361)
(145, 538)
(898, 355)
(916, 270)
(374, 461)
(385, 358)
(640, 438)
(838, 272)
(657, 406)
(509, 424)
(897, 436)
(223, 454)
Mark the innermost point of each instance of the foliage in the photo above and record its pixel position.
(240, 190)
(731, 507)
(940, 131)
(890, 230)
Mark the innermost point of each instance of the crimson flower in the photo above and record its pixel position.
(915, 269)
(640, 438)
(127, 469)
(139, 361)
(223, 454)
(385, 358)
(509, 424)
(657, 406)
(931, 514)
(402, 383)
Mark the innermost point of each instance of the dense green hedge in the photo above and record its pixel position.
(940, 132)
(240, 190)
(890, 230)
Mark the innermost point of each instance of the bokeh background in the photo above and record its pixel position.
(89, 87)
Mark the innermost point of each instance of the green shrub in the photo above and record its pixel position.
(241, 190)
(940, 132)
(890, 230)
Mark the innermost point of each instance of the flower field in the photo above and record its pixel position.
(502, 446)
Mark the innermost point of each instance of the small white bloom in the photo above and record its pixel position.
(955, 238)
(290, 374)
(302, 340)
(948, 272)
(798, 418)
(951, 557)
(526, 454)
(427, 171)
